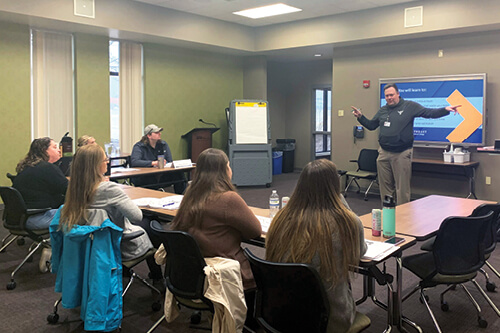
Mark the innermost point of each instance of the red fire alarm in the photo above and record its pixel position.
(366, 83)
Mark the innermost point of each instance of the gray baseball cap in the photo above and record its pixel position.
(152, 128)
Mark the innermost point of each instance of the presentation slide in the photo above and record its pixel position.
(464, 127)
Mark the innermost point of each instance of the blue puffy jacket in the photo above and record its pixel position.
(87, 261)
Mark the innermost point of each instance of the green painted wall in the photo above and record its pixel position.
(15, 114)
(92, 87)
(182, 86)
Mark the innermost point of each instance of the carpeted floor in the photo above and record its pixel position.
(25, 309)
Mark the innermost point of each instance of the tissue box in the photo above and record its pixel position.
(448, 157)
(461, 157)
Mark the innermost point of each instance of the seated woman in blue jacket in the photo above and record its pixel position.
(88, 188)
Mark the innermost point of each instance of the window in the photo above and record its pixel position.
(114, 91)
(322, 115)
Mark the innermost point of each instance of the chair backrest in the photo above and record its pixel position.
(490, 240)
(184, 273)
(15, 211)
(290, 297)
(459, 245)
(367, 160)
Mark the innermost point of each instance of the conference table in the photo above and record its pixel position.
(421, 219)
(415, 221)
(166, 214)
(124, 173)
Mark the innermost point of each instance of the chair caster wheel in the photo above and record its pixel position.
(445, 307)
(196, 317)
(156, 306)
(53, 318)
(366, 199)
(268, 185)
(482, 323)
(11, 285)
(20, 241)
(491, 286)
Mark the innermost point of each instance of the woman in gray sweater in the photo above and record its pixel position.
(89, 189)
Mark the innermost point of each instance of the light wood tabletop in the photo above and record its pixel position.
(133, 172)
(421, 218)
(139, 192)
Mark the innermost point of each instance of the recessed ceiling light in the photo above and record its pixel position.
(318, 55)
(266, 11)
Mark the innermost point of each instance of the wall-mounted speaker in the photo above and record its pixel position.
(414, 17)
(85, 8)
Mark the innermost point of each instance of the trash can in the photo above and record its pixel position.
(277, 162)
(288, 148)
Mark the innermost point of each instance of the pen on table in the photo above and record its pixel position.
(169, 204)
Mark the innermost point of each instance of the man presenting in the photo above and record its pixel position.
(145, 154)
(395, 120)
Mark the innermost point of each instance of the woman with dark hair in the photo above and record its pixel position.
(89, 189)
(41, 183)
(215, 215)
(317, 227)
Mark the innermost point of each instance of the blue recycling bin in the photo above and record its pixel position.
(277, 162)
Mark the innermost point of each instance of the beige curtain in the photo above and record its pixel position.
(52, 85)
(131, 95)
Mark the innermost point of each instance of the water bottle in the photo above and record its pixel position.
(274, 204)
(389, 216)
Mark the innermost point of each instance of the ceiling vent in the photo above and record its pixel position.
(414, 17)
(85, 8)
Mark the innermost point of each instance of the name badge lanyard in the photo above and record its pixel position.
(387, 123)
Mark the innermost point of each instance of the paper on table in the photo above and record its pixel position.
(171, 202)
(265, 222)
(378, 250)
(122, 169)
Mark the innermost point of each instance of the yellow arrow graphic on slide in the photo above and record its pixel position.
(472, 118)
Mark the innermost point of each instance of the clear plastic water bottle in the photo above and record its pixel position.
(274, 204)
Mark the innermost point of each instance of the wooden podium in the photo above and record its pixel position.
(199, 139)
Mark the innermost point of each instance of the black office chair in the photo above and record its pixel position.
(10, 238)
(490, 242)
(184, 274)
(367, 169)
(128, 266)
(15, 216)
(291, 298)
(456, 257)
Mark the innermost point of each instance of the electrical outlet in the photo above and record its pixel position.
(488, 180)
(341, 113)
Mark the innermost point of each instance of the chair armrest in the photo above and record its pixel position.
(131, 235)
(30, 212)
(428, 244)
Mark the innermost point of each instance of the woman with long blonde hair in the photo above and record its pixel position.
(318, 228)
(216, 216)
(88, 189)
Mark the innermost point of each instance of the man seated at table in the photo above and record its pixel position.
(145, 154)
